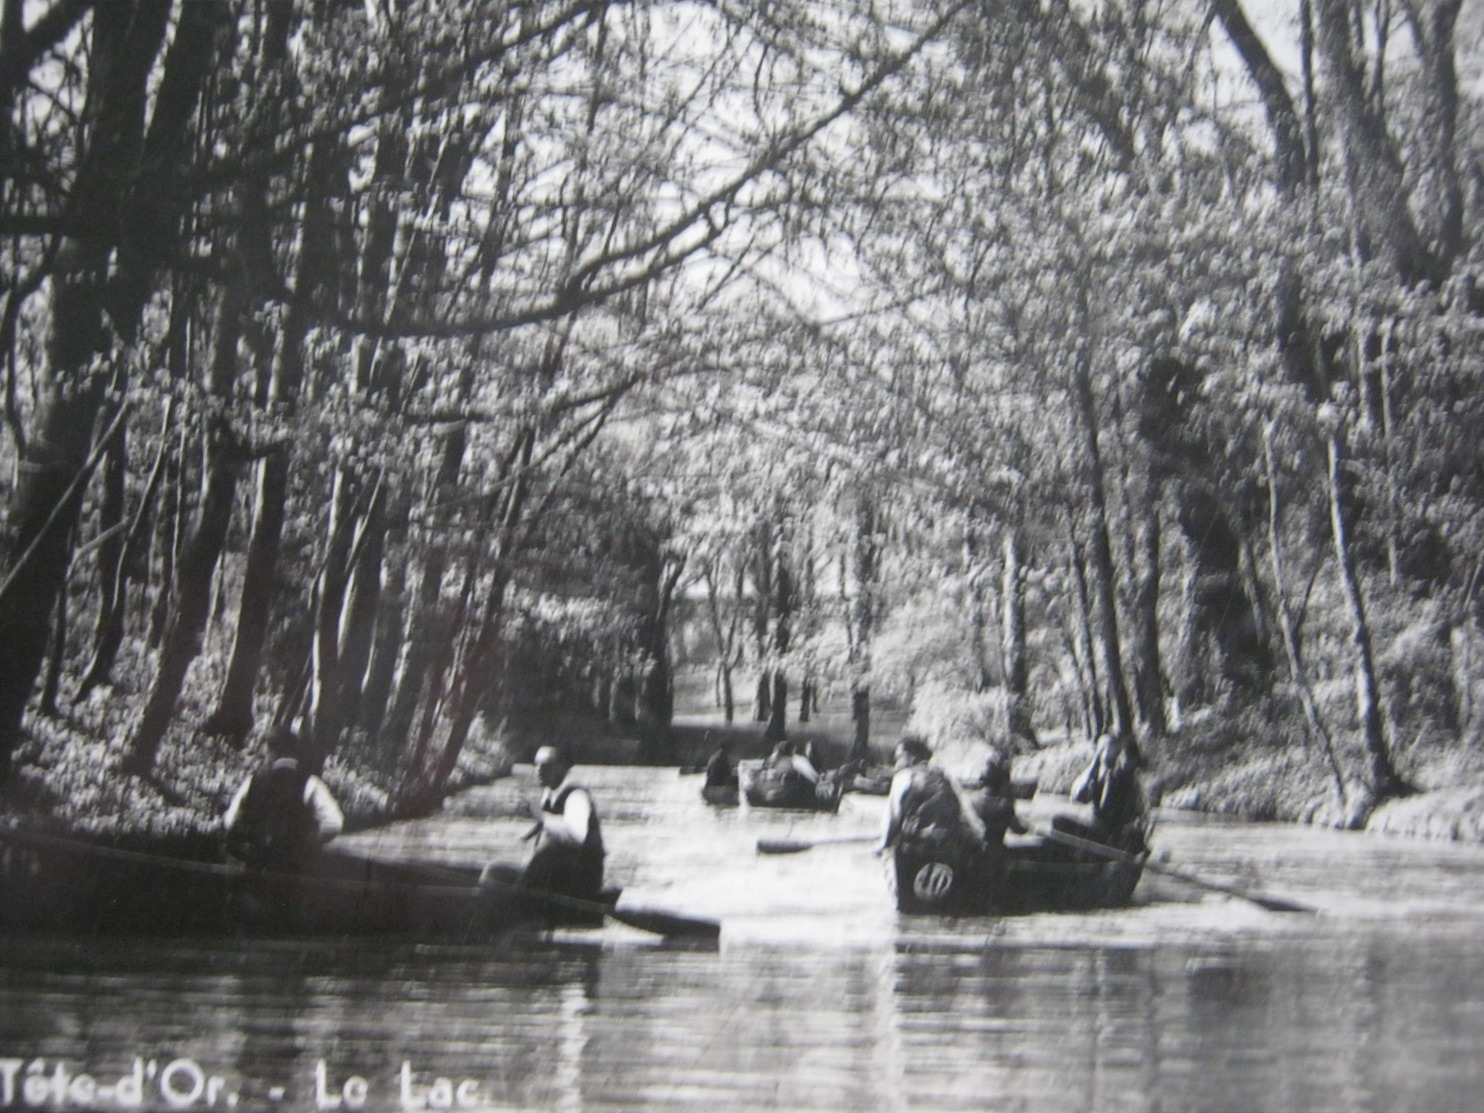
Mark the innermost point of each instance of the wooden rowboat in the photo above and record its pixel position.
(763, 787)
(721, 795)
(68, 886)
(1030, 874)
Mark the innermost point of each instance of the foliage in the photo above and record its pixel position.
(394, 369)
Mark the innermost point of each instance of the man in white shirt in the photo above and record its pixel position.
(569, 851)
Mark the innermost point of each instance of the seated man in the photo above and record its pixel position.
(923, 801)
(568, 858)
(993, 801)
(283, 813)
(720, 772)
(1110, 783)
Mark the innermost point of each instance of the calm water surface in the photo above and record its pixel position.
(819, 997)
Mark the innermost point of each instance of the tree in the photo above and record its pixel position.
(119, 223)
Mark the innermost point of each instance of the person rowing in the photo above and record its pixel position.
(993, 801)
(923, 803)
(1111, 784)
(720, 771)
(568, 858)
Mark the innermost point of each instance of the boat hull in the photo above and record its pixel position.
(70, 887)
(721, 795)
(945, 877)
(764, 788)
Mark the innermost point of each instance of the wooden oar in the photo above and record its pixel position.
(653, 920)
(794, 846)
(1272, 904)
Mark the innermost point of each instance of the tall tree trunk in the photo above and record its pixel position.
(279, 375)
(429, 626)
(1312, 715)
(1100, 549)
(778, 718)
(1384, 223)
(1148, 668)
(314, 257)
(762, 702)
(189, 608)
(784, 604)
(979, 609)
(1084, 642)
(862, 624)
(391, 628)
(329, 680)
(1019, 721)
(127, 200)
(108, 629)
(1385, 782)
(109, 633)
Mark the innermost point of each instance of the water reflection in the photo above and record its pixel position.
(821, 997)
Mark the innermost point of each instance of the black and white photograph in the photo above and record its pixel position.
(816, 556)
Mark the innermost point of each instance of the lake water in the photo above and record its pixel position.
(819, 995)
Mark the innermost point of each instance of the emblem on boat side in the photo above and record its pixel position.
(933, 881)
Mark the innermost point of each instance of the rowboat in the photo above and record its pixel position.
(1028, 874)
(68, 886)
(764, 787)
(721, 795)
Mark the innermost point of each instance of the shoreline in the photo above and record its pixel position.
(1284, 788)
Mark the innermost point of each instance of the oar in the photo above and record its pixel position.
(793, 846)
(1272, 904)
(653, 920)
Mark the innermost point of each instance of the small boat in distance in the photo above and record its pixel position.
(721, 795)
(765, 787)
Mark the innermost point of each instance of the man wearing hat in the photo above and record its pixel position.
(569, 850)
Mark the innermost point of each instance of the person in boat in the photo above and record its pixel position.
(923, 802)
(282, 814)
(721, 772)
(993, 800)
(1110, 783)
(785, 759)
(568, 858)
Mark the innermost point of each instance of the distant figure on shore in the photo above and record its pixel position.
(923, 802)
(283, 814)
(1110, 783)
(993, 801)
(720, 770)
(568, 858)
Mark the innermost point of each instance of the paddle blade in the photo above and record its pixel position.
(1279, 904)
(667, 923)
(783, 846)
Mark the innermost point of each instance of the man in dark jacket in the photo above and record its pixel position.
(1110, 783)
(283, 813)
(720, 772)
(993, 801)
(923, 801)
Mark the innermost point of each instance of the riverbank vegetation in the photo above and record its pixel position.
(413, 373)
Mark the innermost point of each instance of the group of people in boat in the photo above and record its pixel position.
(284, 813)
(925, 803)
